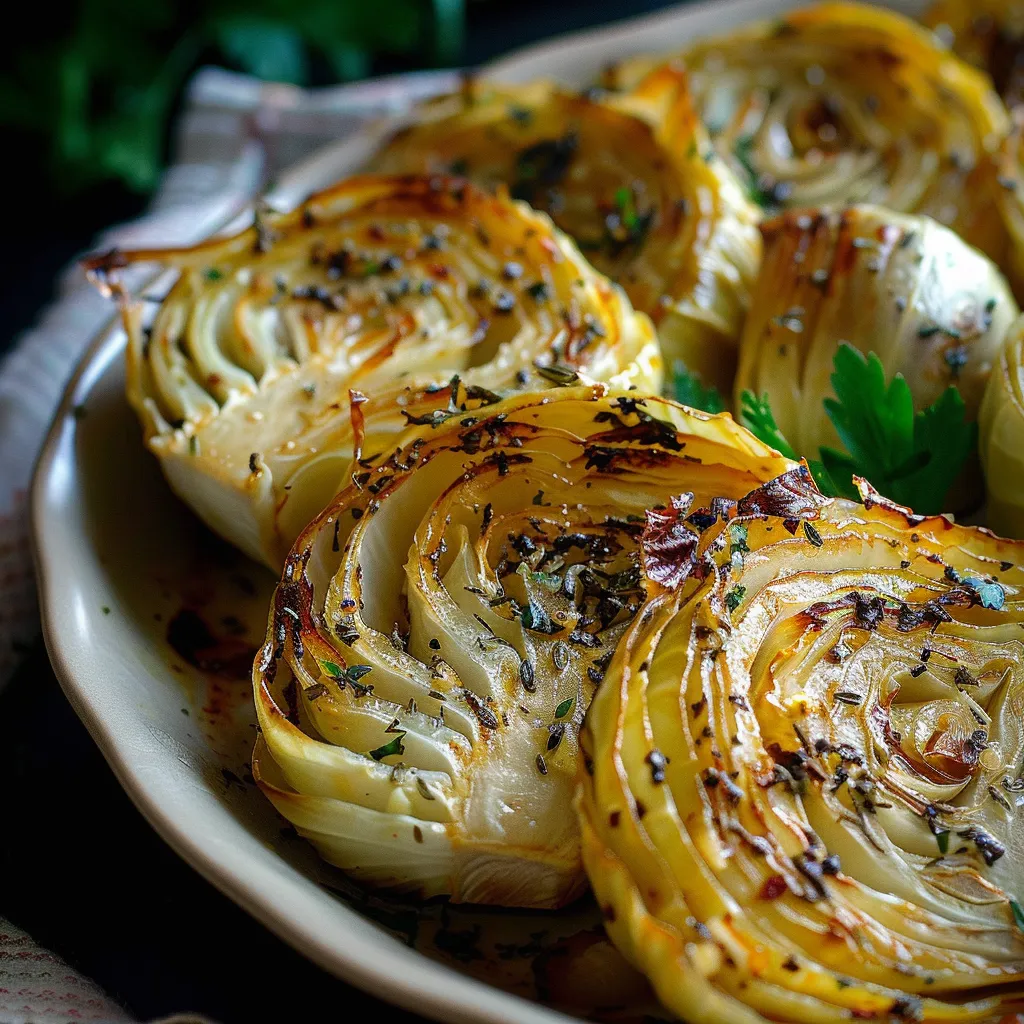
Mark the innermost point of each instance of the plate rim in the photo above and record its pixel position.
(404, 976)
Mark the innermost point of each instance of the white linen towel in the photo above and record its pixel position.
(235, 135)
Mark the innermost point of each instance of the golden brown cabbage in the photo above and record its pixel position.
(803, 786)
(1002, 438)
(369, 293)
(932, 308)
(1008, 197)
(440, 629)
(628, 177)
(988, 34)
(844, 103)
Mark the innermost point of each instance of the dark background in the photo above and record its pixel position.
(79, 868)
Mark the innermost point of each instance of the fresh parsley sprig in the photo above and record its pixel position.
(911, 457)
(756, 415)
(689, 389)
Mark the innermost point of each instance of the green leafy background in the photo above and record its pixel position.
(94, 84)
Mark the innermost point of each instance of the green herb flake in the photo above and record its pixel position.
(942, 838)
(212, 274)
(392, 749)
(990, 594)
(565, 707)
(548, 580)
(738, 537)
(626, 205)
(738, 545)
(1018, 914)
(812, 535)
(734, 597)
(743, 151)
(534, 617)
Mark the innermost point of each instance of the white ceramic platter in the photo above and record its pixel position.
(150, 623)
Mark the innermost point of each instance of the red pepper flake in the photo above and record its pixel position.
(774, 886)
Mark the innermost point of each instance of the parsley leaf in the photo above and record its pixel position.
(943, 433)
(911, 457)
(756, 415)
(690, 390)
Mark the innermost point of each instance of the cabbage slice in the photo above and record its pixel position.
(803, 775)
(440, 628)
(843, 103)
(633, 178)
(368, 295)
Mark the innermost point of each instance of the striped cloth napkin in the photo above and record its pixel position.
(235, 136)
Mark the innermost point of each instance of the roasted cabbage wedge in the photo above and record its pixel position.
(628, 177)
(843, 103)
(1001, 438)
(932, 308)
(439, 631)
(371, 292)
(1008, 191)
(988, 34)
(803, 771)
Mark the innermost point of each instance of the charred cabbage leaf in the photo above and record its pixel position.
(440, 629)
(843, 103)
(803, 772)
(371, 294)
(631, 177)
